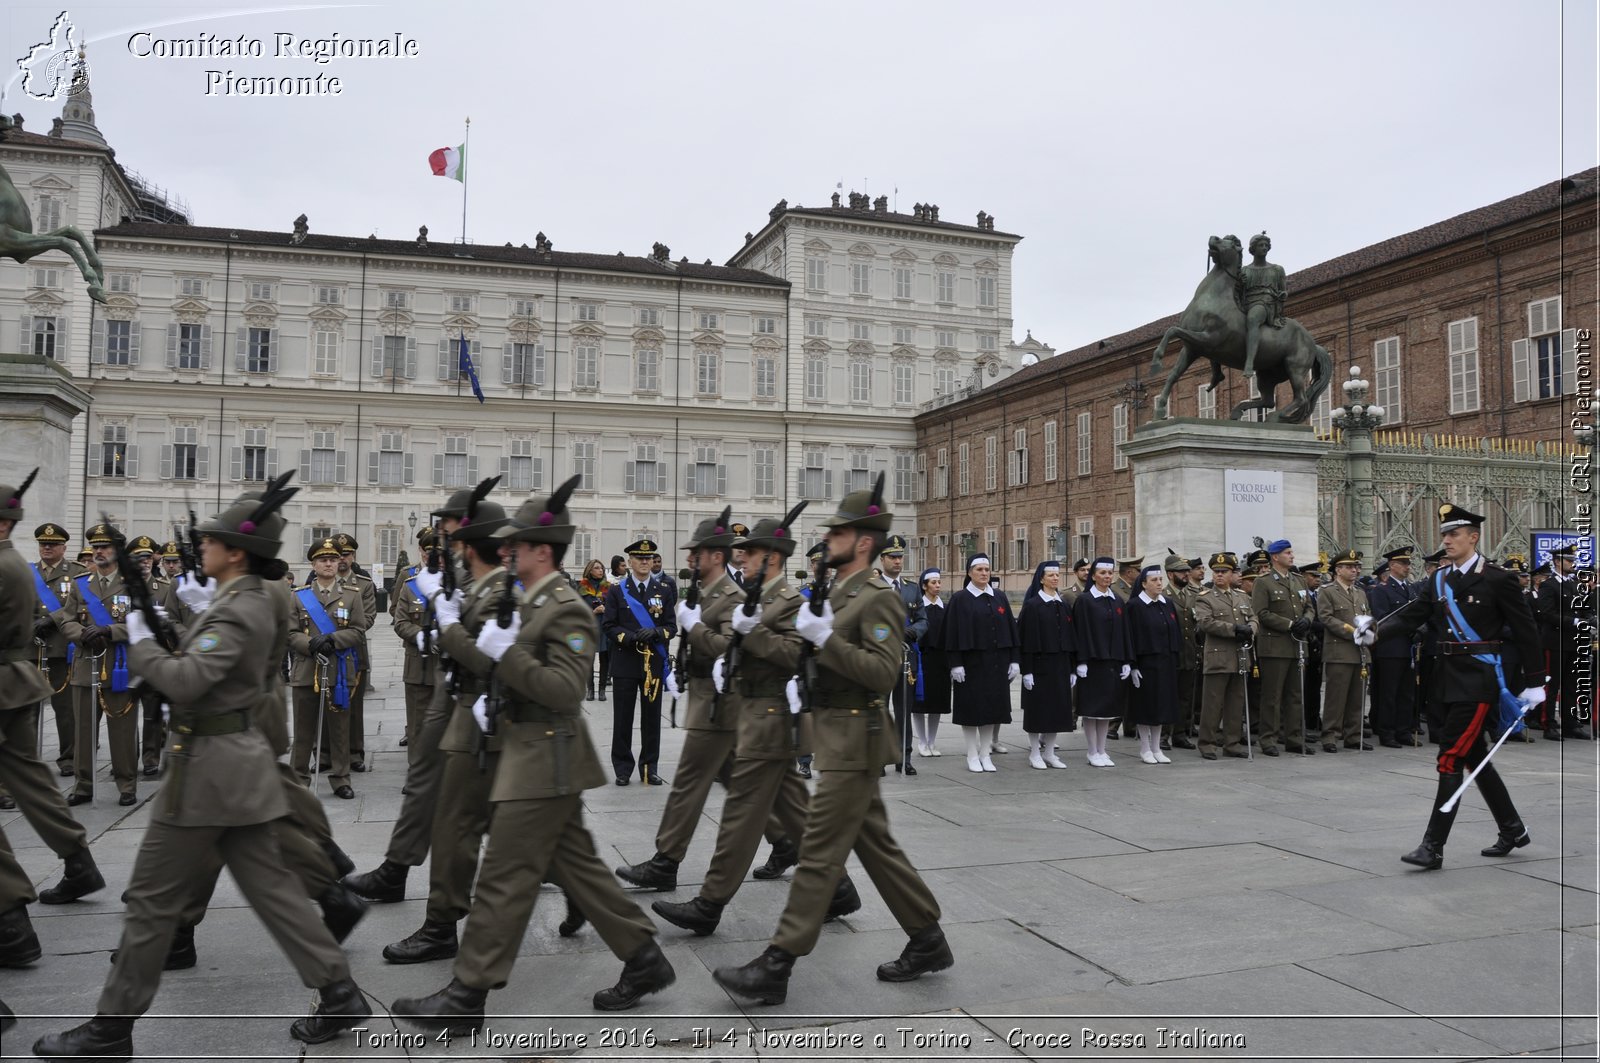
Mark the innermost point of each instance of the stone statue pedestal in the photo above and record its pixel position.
(1185, 499)
(38, 402)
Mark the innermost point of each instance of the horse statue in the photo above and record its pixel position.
(19, 242)
(1213, 327)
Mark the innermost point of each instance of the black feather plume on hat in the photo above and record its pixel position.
(479, 493)
(877, 494)
(558, 498)
(790, 517)
(277, 492)
(724, 519)
(16, 499)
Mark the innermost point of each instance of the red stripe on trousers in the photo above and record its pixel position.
(1447, 759)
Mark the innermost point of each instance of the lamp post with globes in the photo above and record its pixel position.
(1358, 419)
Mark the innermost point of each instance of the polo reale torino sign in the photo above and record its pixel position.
(1252, 504)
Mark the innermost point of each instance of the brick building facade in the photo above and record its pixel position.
(1468, 327)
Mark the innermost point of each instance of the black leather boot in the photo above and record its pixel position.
(765, 978)
(659, 873)
(434, 941)
(647, 971)
(82, 878)
(784, 855)
(342, 864)
(696, 914)
(342, 908)
(341, 1007)
(103, 1038)
(575, 918)
(927, 950)
(845, 900)
(455, 1009)
(1430, 854)
(180, 955)
(19, 945)
(1513, 835)
(384, 885)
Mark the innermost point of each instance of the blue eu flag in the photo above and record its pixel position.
(468, 368)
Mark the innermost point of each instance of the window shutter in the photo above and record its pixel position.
(272, 351)
(505, 364)
(377, 356)
(166, 461)
(438, 470)
(339, 468)
(236, 464)
(444, 359)
(688, 479)
(130, 463)
(411, 358)
(629, 482)
(410, 472)
(505, 469)
(27, 334)
(661, 476)
(135, 331)
(1519, 370)
(372, 467)
(827, 484)
(205, 347)
(1569, 361)
(305, 466)
(722, 480)
(172, 346)
(93, 456)
(538, 474)
(239, 362)
(272, 463)
(97, 341)
(202, 463)
(472, 469)
(61, 340)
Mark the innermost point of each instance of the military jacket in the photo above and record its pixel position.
(1183, 599)
(1121, 588)
(222, 666)
(271, 714)
(708, 641)
(1279, 601)
(368, 590)
(768, 658)
(857, 667)
(74, 620)
(546, 750)
(1215, 615)
(59, 579)
(21, 685)
(619, 625)
(1385, 598)
(409, 616)
(473, 667)
(343, 605)
(1338, 608)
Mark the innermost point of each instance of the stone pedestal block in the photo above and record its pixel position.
(38, 402)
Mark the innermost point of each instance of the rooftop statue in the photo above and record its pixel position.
(19, 242)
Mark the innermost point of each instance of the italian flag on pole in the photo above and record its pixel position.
(450, 162)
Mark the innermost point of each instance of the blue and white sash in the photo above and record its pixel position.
(1509, 710)
(51, 603)
(325, 626)
(119, 650)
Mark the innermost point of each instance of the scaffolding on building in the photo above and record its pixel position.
(154, 203)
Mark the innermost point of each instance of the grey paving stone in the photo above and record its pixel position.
(1181, 873)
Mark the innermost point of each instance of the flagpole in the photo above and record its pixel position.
(465, 141)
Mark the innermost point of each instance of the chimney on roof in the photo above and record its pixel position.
(881, 204)
(660, 252)
(55, 127)
(933, 212)
(422, 236)
(542, 244)
(748, 237)
(836, 201)
(16, 121)
(301, 227)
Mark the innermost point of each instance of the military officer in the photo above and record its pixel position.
(1126, 583)
(222, 799)
(856, 637)
(892, 563)
(1225, 617)
(352, 574)
(1341, 605)
(325, 635)
(412, 619)
(171, 561)
(547, 761)
(86, 558)
(638, 626)
(1566, 626)
(1070, 589)
(1394, 680)
(1183, 594)
(54, 586)
(92, 617)
(1285, 613)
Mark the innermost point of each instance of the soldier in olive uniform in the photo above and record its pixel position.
(856, 635)
(54, 587)
(1284, 612)
(171, 561)
(325, 634)
(1339, 606)
(152, 730)
(352, 574)
(412, 620)
(222, 798)
(547, 761)
(1179, 572)
(92, 619)
(1223, 614)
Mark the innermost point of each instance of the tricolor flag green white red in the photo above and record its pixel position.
(450, 162)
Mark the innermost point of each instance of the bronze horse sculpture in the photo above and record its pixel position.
(1213, 327)
(20, 243)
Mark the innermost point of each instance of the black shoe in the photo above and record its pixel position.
(1209, 754)
(342, 864)
(1430, 854)
(927, 950)
(342, 908)
(845, 900)
(405, 740)
(804, 770)
(67, 771)
(1512, 837)
(127, 799)
(696, 914)
(1427, 856)
(74, 799)
(181, 955)
(151, 771)
(358, 765)
(574, 921)
(1551, 734)
(1364, 746)
(341, 1007)
(1236, 753)
(908, 768)
(106, 1039)
(659, 873)
(765, 978)
(1330, 747)
(1181, 742)
(455, 1009)
(19, 945)
(623, 780)
(1166, 744)
(7, 802)
(1269, 751)
(434, 941)
(647, 971)
(344, 793)
(1301, 751)
(1580, 733)
(386, 884)
(1390, 742)
(783, 856)
(650, 777)
(81, 879)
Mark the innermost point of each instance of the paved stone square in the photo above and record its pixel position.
(1261, 903)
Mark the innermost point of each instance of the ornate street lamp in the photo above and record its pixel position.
(1359, 418)
(412, 520)
(1357, 415)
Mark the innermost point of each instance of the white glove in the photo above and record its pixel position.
(1127, 670)
(1082, 671)
(688, 618)
(161, 611)
(448, 610)
(813, 628)
(716, 674)
(791, 690)
(494, 640)
(1072, 681)
(429, 583)
(138, 630)
(166, 713)
(1137, 678)
(672, 686)
(958, 674)
(1365, 634)
(1027, 681)
(745, 624)
(480, 712)
(1531, 697)
(422, 642)
(1012, 671)
(196, 599)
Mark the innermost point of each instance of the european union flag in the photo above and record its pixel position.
(467, 367)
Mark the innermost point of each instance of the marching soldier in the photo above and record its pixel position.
(638, 626)
(892, 562)
(547, 761)
(412, 619)
(325, 635)
(807, 588)
(54, 575)
(1223, 614)
(1340, 606)
(1394, 681)
(353, 575)
(93, 619)
(1183, 595)
(1284, 613)
(856, 639)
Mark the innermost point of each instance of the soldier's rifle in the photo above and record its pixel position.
(808, 652)
(138, 591)
(730, 660)
(691, 598)
(189, 547)
(505, 607)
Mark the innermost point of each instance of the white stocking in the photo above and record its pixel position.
(919, 727)
(1149, 739)
(931, 722)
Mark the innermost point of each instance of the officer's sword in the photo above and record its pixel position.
(1244, 675)
(94, 711)
(324, 677)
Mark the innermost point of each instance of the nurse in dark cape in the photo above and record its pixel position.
(1104, 655)
(1157, 644)
(932, 690)
(980, 645)
(1044, 628)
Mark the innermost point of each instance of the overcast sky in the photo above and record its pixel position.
(1114, 137)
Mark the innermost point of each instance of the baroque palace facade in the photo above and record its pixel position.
(674, 388)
